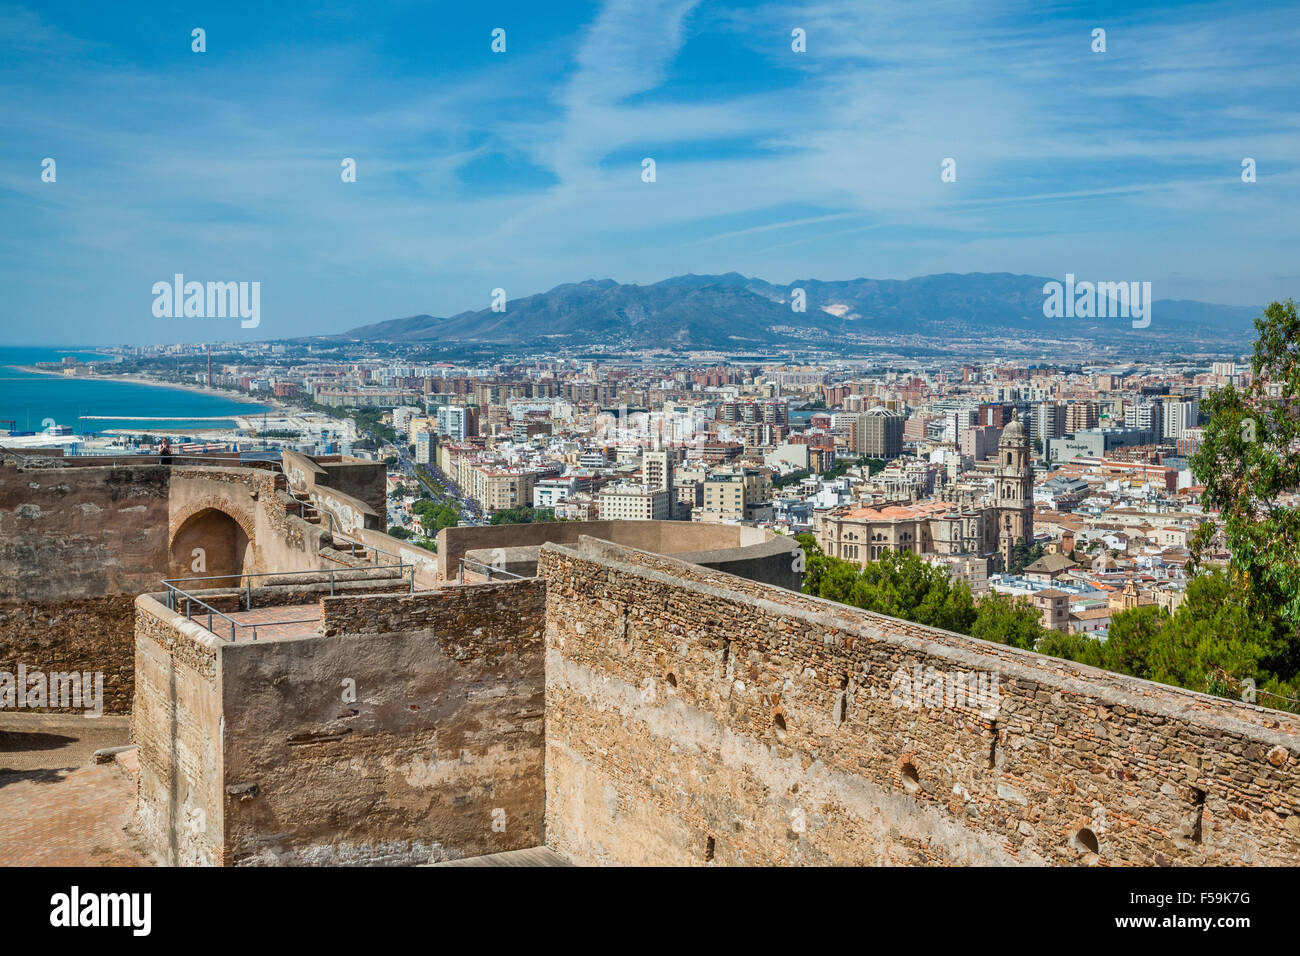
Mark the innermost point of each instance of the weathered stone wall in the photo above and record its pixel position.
(425, 562)
(753, 552)
(82, 635)
(76, 545)
(437, 755)
(692, 717)
(367, 481)
(79, 540)
(176, 721)
(68, 533)
(352, 491)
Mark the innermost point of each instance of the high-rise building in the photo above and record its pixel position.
(1080, 416)
(657, 470)
(424, 447)
(1049, 421)
(453, 422)
(1179, 416)
(880, 433)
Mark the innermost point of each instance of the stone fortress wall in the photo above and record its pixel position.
(76, 546)
(626, 707)
(80, 538)
(696, 717)
(753, 553)
(623, 706)
(409, 730)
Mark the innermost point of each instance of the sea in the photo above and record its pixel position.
(91, 406)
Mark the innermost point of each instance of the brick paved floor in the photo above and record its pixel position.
(57, 807)
(265, 617)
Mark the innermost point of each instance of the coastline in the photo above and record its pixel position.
(141, 380)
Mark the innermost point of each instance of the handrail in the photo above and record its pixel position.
(175, 594)
(487, 569)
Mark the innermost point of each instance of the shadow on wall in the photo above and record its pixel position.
(211, 543)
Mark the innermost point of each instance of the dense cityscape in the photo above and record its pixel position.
(648, 433)
(1068, 488)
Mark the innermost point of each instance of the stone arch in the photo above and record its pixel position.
(209, 538)
(217, 503)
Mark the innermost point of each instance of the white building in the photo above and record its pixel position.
(453, 422)
(634, 503)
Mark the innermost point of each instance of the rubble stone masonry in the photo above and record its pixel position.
(76, 546)
(439, 755)
(692, 717)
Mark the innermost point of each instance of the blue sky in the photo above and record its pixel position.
(522, 170)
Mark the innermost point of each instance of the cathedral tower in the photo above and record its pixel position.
(1014, 489)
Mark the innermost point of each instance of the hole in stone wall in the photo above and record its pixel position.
(1085, 841)
(708, 849)
(671, 679)
(841, 708)
(1196, 816)
(778, 723)
(993, 745)
(910, 778)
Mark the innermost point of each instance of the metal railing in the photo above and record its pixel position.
(176, 596)
(487, 570)
(376, 551)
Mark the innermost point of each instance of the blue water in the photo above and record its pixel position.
(29, 399)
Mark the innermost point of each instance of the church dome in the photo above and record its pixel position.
(1014, 433)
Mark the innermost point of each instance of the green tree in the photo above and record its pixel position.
(1216, 628)
(1006, 620)
(1250, 456)
(1072, 647)
(1127, 648)
(1023, 555)
(524, 514)
(434, 517)
(900, 584)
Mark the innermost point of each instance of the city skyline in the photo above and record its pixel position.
(523, 170)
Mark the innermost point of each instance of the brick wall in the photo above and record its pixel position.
(689, 722)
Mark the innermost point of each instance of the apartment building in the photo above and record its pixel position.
(634, 503)
(734, 495)
(880, 433)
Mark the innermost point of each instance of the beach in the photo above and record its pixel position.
(233, 396)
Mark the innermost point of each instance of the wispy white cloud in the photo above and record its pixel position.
(1061, 154)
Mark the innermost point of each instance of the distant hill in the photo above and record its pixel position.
(732, 311)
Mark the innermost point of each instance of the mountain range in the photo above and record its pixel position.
(733, 311)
